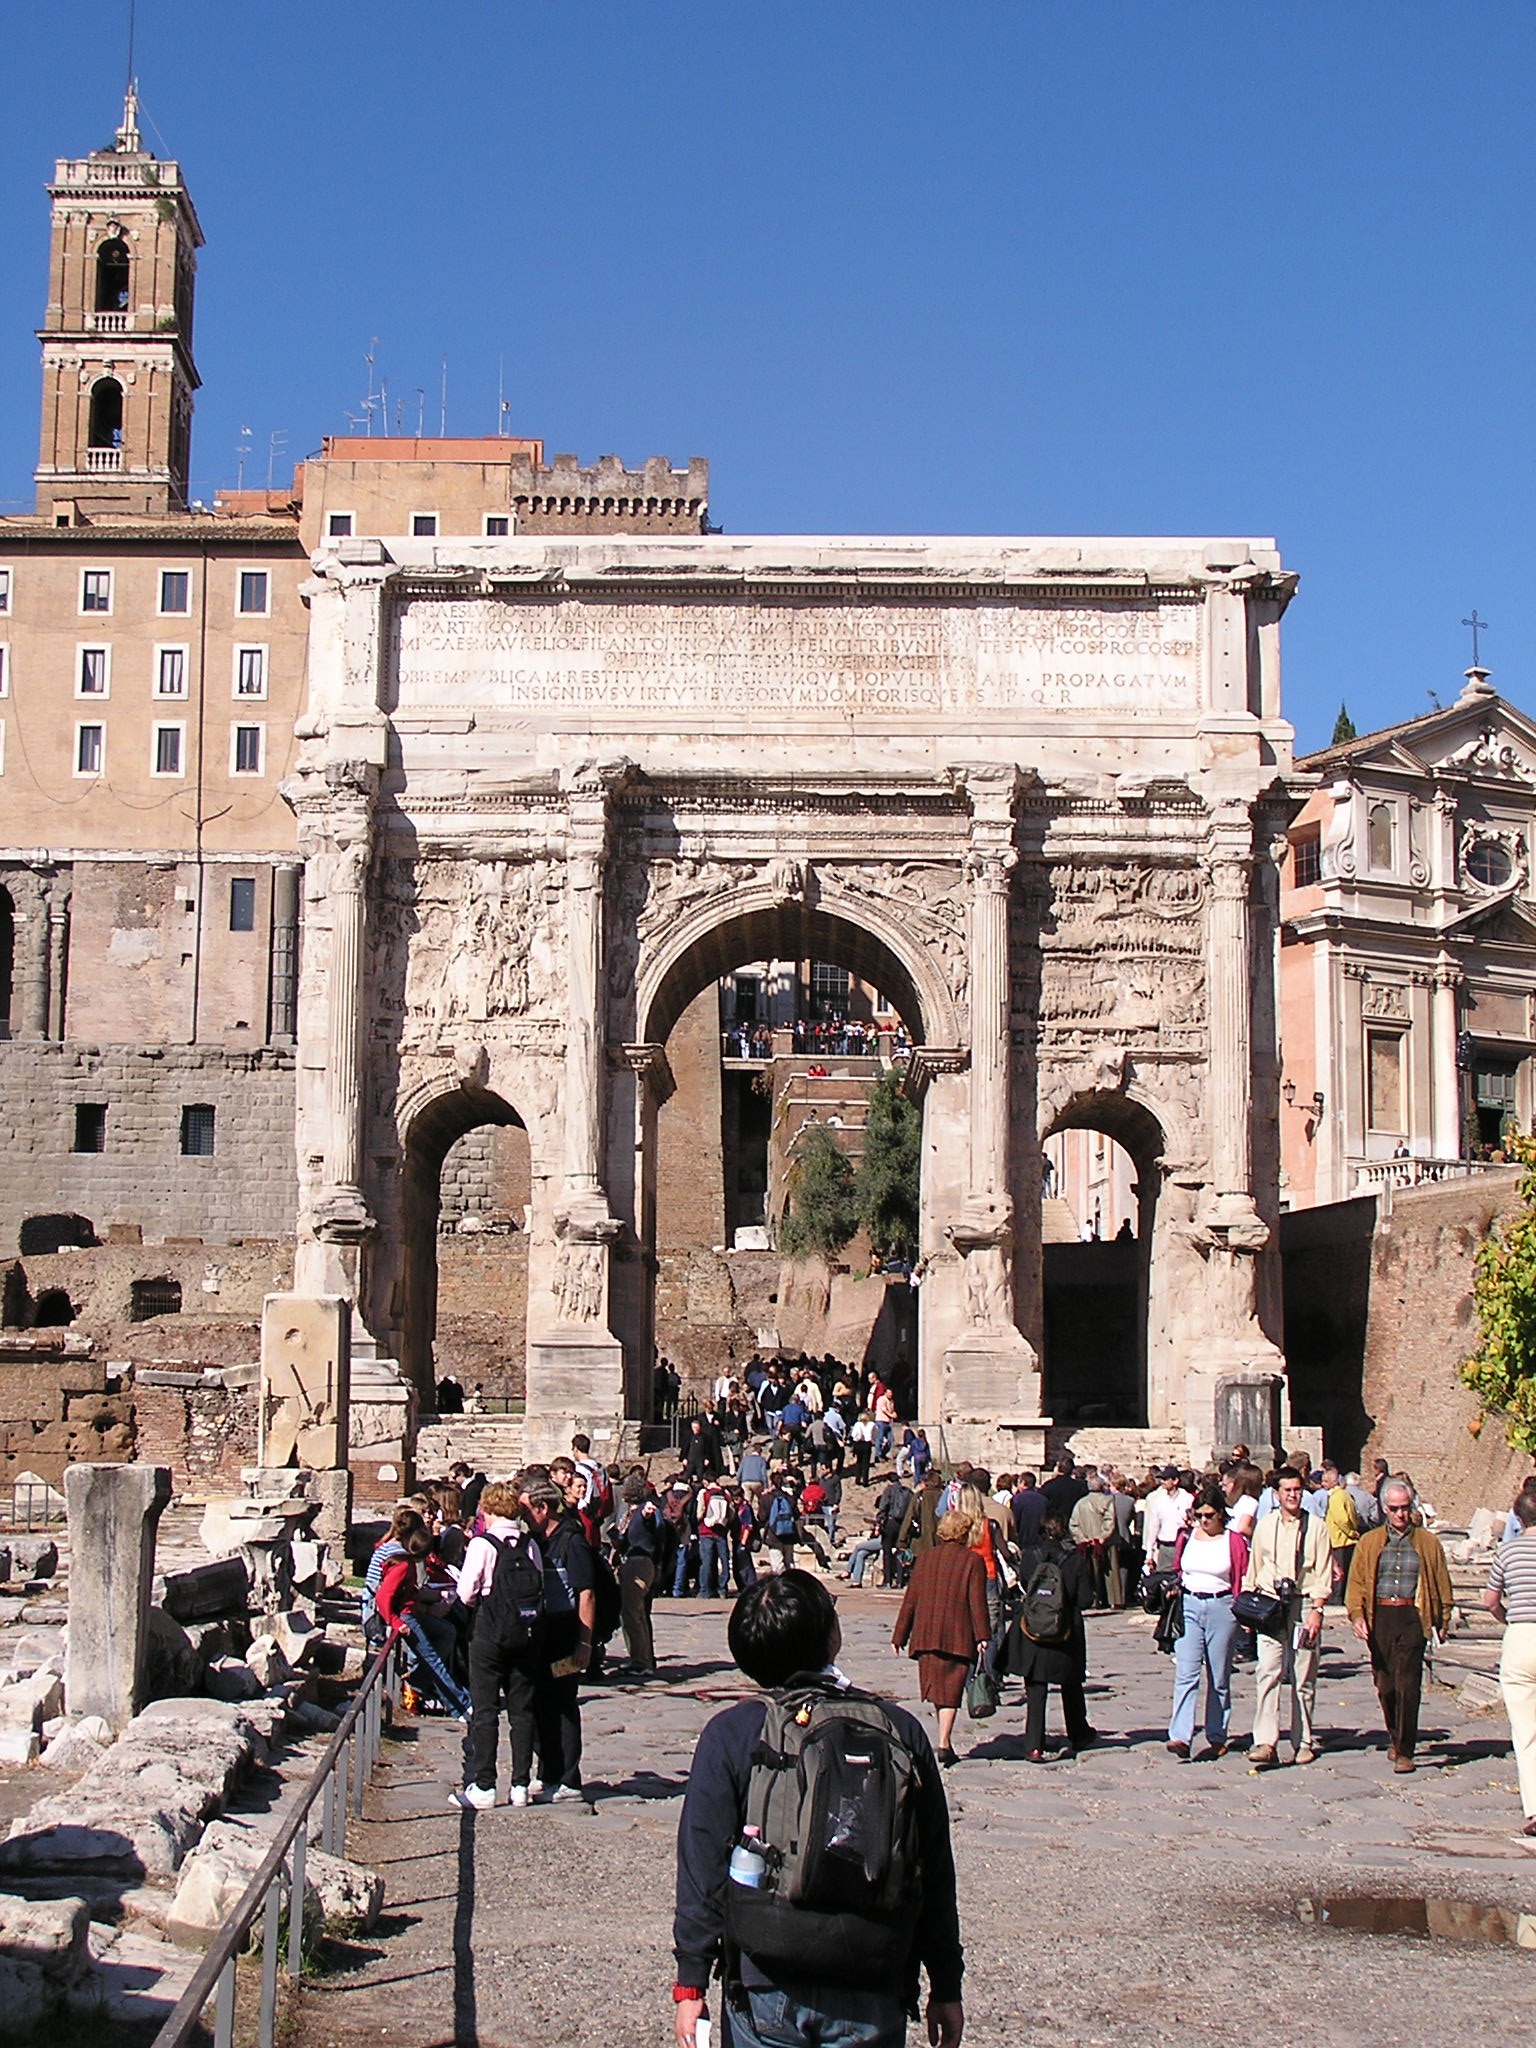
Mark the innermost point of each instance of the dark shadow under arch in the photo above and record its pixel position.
(783, 931)
(434, 1130)
(1096, 1295)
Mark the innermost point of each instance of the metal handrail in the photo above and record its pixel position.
(353, 1753)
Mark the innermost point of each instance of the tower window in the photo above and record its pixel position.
(90, 1127)
(246, 749)
(112, 276)
(5, 590)
(169, 740)
(242, 903)
(423, 525)
(497, 525)
(197, 1130)
(96, 590)
(175, 591)
(90, 749)
(253, 592)
(250, 671)
(106, 421)
(5, 670)
(338, 525)
(95, 674)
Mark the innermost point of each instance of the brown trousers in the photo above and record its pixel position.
(1397, 1665)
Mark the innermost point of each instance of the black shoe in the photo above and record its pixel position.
(947, 1757)
(1086, 1740)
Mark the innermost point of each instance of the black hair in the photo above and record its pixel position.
(781, 1626)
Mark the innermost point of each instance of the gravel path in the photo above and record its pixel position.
(1121, 1899)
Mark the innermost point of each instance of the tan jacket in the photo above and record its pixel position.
(1434, 1595)
(1272, 1551)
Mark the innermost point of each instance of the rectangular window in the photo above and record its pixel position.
(170, 671)
(423, 525)
(2, 746)
(338, 525)
(5, 670)
(1384, 1080)
(242, 903)
(90, 1127)
(197, 1130)
(250, 671)
(5, 591)
(169, 743)
(90, 749)
(254, 592)
(497, 525)
(96, 590)
(1307, 860)
(94, 676)
(175, 591)
(247, 746)
(829, 989)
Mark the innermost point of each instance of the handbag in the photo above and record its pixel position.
(1266, 1612)
(1170, 1623)
(982, 1693)
(1155, 1588)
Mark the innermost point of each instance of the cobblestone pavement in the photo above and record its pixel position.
(1123, 1898)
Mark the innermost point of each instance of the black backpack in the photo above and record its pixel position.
(511, 1615)
(1044, 1616)
(834, 1796)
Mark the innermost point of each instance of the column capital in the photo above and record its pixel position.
(1229, 840)
(650, 1063)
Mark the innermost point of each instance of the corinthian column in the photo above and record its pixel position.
(990, 1048)
(344, 1034)
(1446, 1093)
(584, 1032)
(1230, 1103)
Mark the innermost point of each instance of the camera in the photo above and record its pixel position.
(1285, 1589)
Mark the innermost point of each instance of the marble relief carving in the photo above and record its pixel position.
(474, 942)
(1123, 951)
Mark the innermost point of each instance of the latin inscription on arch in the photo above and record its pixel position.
(585, 661)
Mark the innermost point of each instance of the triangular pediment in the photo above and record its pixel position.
(1506, 920)
(1480, 736)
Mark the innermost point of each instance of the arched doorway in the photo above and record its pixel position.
(836, 1008)
(1101, 1172)
(105, 429)
(434, 1132)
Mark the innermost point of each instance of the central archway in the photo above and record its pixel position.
(434, 1130)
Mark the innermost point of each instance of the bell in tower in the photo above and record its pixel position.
(118, 374)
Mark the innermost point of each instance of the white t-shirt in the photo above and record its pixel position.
(1207, 1563)
(1242, 1513)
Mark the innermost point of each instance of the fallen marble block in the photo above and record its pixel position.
(43, 1952)
(204, 1591)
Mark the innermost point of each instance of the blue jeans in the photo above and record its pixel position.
(1207, 1644)
(714, 1565)
(883, 1434)
(862, 1553)
(680, 1576)
(815, 2016)
(448, 1690)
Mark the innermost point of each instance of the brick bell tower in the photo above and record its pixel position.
(118, 374)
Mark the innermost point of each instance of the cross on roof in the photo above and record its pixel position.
(1478, 626)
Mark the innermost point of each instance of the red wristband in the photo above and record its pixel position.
(682, 1991)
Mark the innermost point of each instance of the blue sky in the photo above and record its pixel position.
(1078, 268)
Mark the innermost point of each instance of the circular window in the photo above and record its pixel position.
(1490, 863)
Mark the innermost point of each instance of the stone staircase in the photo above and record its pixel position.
(1058, 1225)
(492, 1444)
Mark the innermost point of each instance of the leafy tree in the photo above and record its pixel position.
(820, 1214)
(1343, 728)
(1502, 1370)
(887, 1183)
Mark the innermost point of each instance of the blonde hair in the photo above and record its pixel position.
(500, 1499)
(973, 1505)
(955, 1527)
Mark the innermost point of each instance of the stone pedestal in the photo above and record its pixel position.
(114, 1511)
(306, 1360)
(575, 1382)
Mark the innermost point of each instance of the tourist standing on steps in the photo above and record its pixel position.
(1211, 1561)
(1291, 1557)
(1511, 1598)
(502, 1582)
(1399, 1595)
(943, 1622)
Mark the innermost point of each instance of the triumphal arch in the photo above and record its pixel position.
(550, 790)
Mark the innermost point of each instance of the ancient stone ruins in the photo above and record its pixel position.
(548, 790)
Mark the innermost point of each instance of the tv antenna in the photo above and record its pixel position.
(241, 453)
(277, 441)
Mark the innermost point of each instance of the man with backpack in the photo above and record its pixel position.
(777, 1514)
(714, 1518)
(502, 1583)
(570, 1622)
(1047, 1644)
(814, 1865)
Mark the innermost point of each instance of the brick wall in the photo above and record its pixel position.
(690, 1168)
(205, 1434)
(246, 1189)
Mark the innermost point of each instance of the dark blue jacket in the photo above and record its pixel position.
(714, 1810)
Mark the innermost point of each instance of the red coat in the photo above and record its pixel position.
(944, 1609)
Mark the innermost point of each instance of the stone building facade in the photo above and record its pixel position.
(546, 798)
(1408, 962)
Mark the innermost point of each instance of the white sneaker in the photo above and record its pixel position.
(518, 1796)
(535, 1787)
(564, 1793)
(480, 1797)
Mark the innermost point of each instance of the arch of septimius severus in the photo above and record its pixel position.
(548, 791)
